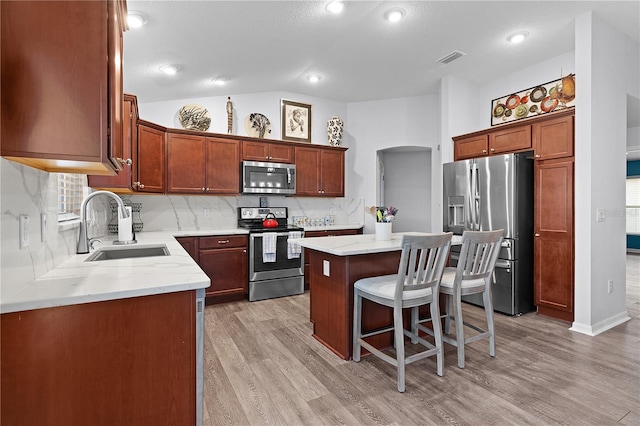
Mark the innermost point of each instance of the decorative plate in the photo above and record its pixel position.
(538, 93)
(194, 117)
(521, 111)
(512, 101)
(257, 125)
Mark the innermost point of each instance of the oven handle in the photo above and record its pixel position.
(258, 234)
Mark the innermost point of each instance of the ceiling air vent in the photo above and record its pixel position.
(446, 59)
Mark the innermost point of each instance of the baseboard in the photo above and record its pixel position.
(633, 251)
(602, 326)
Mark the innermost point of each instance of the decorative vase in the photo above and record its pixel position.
(334, 130)
(383, 231)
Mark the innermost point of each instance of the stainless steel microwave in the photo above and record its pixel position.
(268, 178)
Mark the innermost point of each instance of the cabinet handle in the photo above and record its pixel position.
(207, 189)
(537, 235)
(537, 155)
(126, 162)
(223, 241)
(203, 189)
(484, 151)
(493, 149)
(138, 185)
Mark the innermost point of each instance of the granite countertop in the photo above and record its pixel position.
(349, 245)
(75, 281)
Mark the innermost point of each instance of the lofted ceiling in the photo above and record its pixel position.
(273, 45)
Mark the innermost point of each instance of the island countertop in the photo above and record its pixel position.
(349, 245)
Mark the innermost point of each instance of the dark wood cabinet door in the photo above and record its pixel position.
(57, 73)
(190, 244)
(255, 151)
(332, 165)
(222, 166)
(150, 156)
(553, 138)
(281, 153)
(472, 147)
(513, 139)
(116, 26)
(123, 181)
(553, 241)
(308, 178)
(228, 270)
(118, 362)
(185, 163)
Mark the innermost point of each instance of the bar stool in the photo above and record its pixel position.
(415, 284)
(472, 275)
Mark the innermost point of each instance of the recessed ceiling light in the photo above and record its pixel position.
(136, 19)
(219, 81)
(169, 69)
(314, 78)
(517, 37)
(335, 6)
(394, 15)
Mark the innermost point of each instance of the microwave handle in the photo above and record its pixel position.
(288, 175)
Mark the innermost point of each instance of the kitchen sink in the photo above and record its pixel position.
(113, 253)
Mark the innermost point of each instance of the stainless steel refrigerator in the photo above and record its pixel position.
(490, 193)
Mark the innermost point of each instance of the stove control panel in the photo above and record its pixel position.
(249, 213)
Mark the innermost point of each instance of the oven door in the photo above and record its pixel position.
(283, 266)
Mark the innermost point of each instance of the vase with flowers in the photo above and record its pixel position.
(384, 217)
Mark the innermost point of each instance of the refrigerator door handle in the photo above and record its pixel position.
(475, 198)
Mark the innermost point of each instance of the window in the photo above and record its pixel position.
(70, 191)
(633, 205)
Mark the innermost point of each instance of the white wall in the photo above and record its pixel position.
(606, 71)
(378, 125)
(267, 103)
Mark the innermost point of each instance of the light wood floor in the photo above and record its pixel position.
(263, 367)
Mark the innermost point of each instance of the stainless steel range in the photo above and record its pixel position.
(275, 269)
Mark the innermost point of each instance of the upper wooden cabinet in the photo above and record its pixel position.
(319, 172)
(123, 182)
(199, 164)
(272, 152)
(550, 136)
(62, 84)
(553, 138)
(149, 158)
(510, 140)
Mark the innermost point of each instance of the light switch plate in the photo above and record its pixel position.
(325, 268)
(600, 215)
(24, 231)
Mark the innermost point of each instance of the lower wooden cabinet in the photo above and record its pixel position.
(553, 238)
(224, 259)
(118, 362)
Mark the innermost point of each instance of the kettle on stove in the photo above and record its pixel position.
(270, 221)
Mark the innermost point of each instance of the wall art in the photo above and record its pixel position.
(296, 121)
(542, 99)
(194, 117)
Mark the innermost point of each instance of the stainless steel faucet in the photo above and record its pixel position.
(83, 241)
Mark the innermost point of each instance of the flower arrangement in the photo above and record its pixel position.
(383, 214)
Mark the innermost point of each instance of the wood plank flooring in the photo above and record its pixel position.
(263, 367)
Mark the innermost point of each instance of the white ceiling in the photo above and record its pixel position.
(272, 45)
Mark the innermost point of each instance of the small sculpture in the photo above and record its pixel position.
(335, 126)
(229, 115)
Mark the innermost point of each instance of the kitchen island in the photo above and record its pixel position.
(336, 263)
(106, 342)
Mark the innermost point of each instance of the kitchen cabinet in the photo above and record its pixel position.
(199, 164)
(503, 141)
(324, 233)
(319, 171)
(149, 158)
(190, 244)
(117, 362)
(553, 138)
(225, 261)
(123, 181)
(62, 84)
(470, 147)
(553, 238)
(271, 152)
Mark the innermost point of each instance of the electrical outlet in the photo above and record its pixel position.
(207, 212)
(600, 215)
(44, 226)
(610, 286)
(24, 231)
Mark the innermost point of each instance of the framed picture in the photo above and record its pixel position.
(542, 99)
(296, 121)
